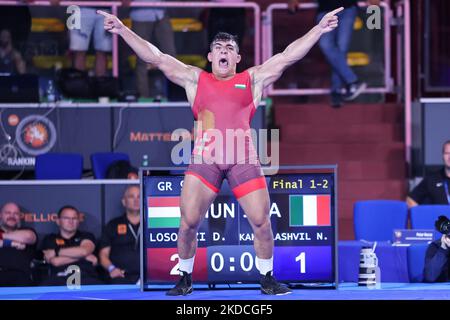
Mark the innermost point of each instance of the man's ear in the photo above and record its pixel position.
(123, 202)
(209, 57)
(238, 58)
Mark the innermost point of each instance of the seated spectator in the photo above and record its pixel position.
(433, 189)
(436, 261)
(119, 246)
(17, 248)
(121, 169)
(70, 247)
(11, 61)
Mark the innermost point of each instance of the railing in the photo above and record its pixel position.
(436, 45)
(267, 32)
(115, 5)
(403, 9)
(264, 35)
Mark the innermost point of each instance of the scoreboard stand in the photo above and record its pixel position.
(304, 223)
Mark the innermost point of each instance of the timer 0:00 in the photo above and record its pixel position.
(217, 257)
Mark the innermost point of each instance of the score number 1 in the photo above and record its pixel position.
(302, 258)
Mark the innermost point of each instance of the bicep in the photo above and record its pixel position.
(270, 71)
(178, 72)
(31, 237)
(104, 252)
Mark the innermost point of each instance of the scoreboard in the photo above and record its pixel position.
(302, 214)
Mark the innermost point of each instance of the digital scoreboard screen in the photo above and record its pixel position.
(302, 213)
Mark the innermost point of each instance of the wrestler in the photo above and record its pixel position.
(221, 101)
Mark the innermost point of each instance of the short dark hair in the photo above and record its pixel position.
(67, 207)
(224, 36)
(10, 202)
(120, 169)
(444, 144)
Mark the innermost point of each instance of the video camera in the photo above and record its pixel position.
(442, 225)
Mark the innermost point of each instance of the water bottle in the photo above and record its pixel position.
(369, 271)
(51, 92)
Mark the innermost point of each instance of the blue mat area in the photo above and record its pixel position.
(346, 291)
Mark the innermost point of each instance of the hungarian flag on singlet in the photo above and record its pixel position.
(309, 210)
(164, 212)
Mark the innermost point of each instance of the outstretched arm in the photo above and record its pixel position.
(269, 72)
(176, 71)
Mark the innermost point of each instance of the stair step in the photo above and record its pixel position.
(372, 170)
(324, 115)
(341, 132)
(366, 141)
(372, 190)
(327, 153)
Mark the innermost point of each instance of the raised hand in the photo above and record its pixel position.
(111, 23)
(330, 21)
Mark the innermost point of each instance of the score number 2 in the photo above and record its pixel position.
(174, 271)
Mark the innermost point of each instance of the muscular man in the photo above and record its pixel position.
(17, 248)
(224, 100)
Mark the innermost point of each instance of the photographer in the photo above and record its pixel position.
(436, 259)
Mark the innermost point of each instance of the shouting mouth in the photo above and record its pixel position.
(223, 63)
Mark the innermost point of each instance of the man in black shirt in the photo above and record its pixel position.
(119, 246)
(433, 189)
(17, 248)
(335, 46)
(70, 247)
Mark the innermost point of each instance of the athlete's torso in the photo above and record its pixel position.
(226, 106)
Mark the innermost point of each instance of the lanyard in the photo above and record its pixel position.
(136, 236)
(446, 191)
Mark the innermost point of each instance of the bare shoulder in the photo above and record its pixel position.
(196, 71)
(253, 70)
(178, 72)
(254, 73)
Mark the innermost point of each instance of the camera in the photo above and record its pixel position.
(442, 225)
